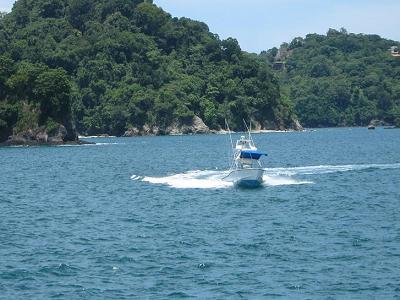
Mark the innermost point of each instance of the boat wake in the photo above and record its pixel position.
(190, 180)
(210, 180)
(273, 176)
(326, 169)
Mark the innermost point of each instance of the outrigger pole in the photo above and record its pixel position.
(230, 137)
(248, 130)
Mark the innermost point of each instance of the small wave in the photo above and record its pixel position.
(90, 145)
(19, 146)
(102, 144)
(136, 177)
(67, 145)
(325, 169)
(95, 136)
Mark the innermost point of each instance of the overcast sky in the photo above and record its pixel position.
(262, 24)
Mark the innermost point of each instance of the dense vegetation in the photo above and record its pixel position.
(126, 63)
(339, 79)
(104, 66)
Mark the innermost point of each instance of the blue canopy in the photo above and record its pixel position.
(252, 154)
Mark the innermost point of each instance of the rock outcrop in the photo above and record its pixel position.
(296, 125)
(377, 123)
(41, 136)
(198, 126)
(293, 124)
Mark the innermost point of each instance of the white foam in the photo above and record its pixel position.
(102, 144)
(209, 180)
(136, 177)
(273, 176)
(89, 145)
(193, 180)
(95, 136)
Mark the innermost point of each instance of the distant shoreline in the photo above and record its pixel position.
(36, 143)
(211, 132)
(83, 139)
(223, 132)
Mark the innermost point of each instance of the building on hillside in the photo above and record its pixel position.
(394, 51)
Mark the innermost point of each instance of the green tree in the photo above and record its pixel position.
(52, 90)
(7, 67)
(341, 79)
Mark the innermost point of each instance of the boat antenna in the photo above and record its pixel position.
(229, 131)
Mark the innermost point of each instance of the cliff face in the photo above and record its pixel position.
(195, 126)
(41, 136)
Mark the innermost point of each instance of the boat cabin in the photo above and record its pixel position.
(244, 143)
(246, 154)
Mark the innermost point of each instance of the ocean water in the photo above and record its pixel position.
(150, 218)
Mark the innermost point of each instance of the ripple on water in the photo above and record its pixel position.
(75, 225)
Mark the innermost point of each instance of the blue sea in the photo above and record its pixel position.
(150, 218)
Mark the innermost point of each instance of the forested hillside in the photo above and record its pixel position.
(339, 79)
(123, 64)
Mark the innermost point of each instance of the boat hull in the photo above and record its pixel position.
(249, 178)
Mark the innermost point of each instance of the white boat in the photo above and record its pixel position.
(246, 169)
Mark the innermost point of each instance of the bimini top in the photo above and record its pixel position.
(251, 154)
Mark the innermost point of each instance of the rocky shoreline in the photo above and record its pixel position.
(11, 143)
(197, 126)
(41, 137)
